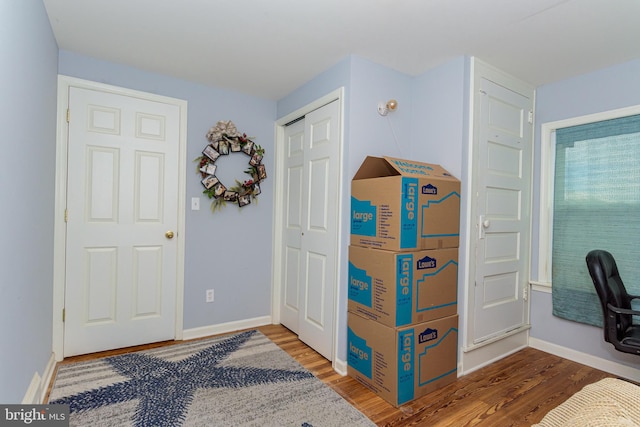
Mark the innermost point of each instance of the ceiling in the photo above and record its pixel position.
(269, 48)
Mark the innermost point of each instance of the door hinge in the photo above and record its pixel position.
(525, 293)
(68, 115)
(530, 117)
(66, 215)
(64, 314)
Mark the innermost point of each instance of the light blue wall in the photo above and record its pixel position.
(326, 82)
(28, 53)
(230, 250)
(439, 128)
(372, 134)
(430, 109)
(603, 90)
(439, 134)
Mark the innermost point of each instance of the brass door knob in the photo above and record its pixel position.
(169, 234)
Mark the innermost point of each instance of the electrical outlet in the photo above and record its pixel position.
(195, 203)
(209, 296)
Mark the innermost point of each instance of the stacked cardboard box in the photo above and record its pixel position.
(403, 268)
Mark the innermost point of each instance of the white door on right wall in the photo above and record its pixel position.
(502, 207)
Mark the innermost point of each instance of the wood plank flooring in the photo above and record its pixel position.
(516, 391)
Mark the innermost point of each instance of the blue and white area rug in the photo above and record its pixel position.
(239, 380)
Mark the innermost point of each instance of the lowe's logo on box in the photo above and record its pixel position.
(428, 335)
(429, 189)
(359, 355)
(426, 263)
(360, 286)
(363, 217)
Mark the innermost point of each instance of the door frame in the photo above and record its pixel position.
(278, 241)
(60, 233)
(475, 355)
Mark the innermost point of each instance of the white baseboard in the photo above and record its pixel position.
(340, 366)
(31, 396)
(39, 385)
(614, 368)
(475, 358)
(47, 376)
(225, 328)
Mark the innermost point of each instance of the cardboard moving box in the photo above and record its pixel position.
(404, 205)
(403, 288)
(402, 364)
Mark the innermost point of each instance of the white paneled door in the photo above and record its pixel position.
(294, 141)
(122, 192)
(310, 226)
(503, 207)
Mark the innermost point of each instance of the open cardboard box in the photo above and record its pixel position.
(403, 205)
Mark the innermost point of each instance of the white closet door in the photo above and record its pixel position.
(311, 227)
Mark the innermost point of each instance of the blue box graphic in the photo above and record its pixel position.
(406, 366)
(431, 336)
(431, 271)
(404, 289)
(409, 213)
(359, 354)
(360, 288)
(364, 217)
(432, 229)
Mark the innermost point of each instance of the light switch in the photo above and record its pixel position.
(195, 203)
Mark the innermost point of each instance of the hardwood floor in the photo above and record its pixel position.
(516, 391)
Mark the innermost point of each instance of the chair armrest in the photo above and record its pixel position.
(634, 296)
(623, 310)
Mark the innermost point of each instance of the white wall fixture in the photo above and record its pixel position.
(384, 108)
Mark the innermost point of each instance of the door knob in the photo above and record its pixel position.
(483, 224)
(169, 234)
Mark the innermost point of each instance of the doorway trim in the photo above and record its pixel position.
(278, 241)
(475, 356)
(59, 238)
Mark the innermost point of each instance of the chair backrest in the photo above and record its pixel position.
(606, 279)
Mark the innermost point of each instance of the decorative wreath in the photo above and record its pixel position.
(224, 139)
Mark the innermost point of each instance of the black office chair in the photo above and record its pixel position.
(619, 328)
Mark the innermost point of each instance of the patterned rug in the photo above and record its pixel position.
(239, 380)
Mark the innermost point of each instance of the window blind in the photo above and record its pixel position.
(596, 206)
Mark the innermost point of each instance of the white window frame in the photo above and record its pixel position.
(547, 173)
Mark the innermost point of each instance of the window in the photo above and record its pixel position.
(590, 199)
